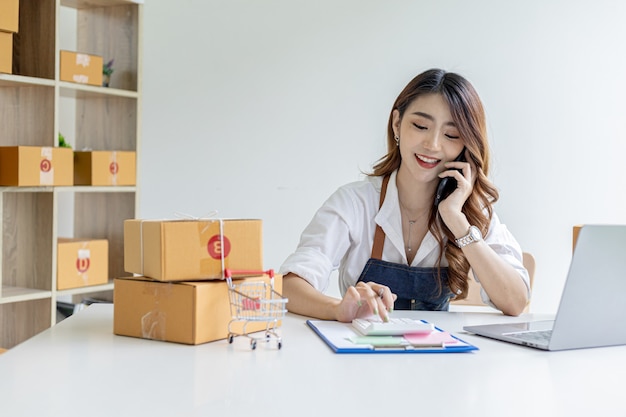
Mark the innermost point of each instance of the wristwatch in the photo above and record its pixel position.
(473, 235)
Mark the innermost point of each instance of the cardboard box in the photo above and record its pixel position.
(184, 312)
(82, 262)
(575, 232)
(81, 68)
(187, 250)
(36, 166)
(104, 168)
(6, 52)
(9, 15)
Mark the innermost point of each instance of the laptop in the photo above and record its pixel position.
(592, 310)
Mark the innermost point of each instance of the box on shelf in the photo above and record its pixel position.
(82, 262)
(6, 52)
(183, 250)
(104, 168)
(9, 15)
(192, 312)
(81, 68)
(36, 166)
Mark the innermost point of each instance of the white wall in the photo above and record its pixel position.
(261, 109)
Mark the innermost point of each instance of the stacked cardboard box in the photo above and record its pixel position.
(9, 22)
(179, 294)
(183, 250)
(191, 312)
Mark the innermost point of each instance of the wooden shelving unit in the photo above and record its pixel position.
(36, 106)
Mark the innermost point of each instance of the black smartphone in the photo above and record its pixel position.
(448, 184)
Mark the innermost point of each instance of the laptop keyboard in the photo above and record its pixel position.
(536, 336)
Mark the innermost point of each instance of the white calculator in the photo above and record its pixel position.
(396, 326)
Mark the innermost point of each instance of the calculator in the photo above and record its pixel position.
(396, 326)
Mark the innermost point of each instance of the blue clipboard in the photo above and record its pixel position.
(342, 338)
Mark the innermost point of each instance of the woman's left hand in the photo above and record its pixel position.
(465, 183)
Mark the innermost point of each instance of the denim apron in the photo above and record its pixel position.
(417, 288)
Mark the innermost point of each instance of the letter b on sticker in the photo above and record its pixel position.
(218, 249)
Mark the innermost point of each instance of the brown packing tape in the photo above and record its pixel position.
(154, 322)
(214, 247)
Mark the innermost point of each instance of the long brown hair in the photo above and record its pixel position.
(469, 116)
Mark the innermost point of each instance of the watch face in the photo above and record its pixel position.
(475, 233)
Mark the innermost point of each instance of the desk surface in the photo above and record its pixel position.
(80, 367)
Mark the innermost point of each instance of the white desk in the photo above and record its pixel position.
(80, 367)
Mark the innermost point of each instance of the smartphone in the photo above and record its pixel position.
(448, 184)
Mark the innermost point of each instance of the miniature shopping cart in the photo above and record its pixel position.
(255, 301)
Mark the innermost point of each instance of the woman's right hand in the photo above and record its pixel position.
(364, 300)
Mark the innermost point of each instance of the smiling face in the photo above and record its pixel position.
(428, 137)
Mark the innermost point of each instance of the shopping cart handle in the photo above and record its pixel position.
(228, 273)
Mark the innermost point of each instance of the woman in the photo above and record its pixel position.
(392, 241)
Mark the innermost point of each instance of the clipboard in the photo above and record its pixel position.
(342, 338)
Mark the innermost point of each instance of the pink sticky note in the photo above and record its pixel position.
(433, 337)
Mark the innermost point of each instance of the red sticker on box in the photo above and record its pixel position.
(215, 249)
(45, 165)
(114, 168)
(82, 265)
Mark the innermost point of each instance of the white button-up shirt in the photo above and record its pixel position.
(341, 234)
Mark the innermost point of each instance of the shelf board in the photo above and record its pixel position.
(85, 4)
(74, 90)
(71, 189)
(42, 189)
(10, 80)
(68, 89)
(17, 294)
(87, 290)
(97, 189)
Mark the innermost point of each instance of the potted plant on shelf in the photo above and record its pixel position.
(63, 143)
(107, 70)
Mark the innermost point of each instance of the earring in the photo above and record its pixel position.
(397, 140)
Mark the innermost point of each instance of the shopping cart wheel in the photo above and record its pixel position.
(253, 344)
(230, 338)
